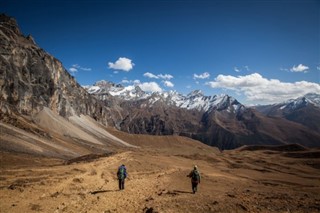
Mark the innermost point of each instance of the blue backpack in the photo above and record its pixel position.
(122, 172)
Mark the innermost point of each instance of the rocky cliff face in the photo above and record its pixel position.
(31, 79)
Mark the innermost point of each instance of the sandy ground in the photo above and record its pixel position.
(51, 164)
(232, 181)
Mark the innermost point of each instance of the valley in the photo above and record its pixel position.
(243, 180)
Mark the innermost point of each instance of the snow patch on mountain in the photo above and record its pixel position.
(292, 104)
(195, 100)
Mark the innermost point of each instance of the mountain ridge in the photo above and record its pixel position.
(304, 110)
(218, 120)
(194, 100)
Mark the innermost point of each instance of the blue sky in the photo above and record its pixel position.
(257, 51)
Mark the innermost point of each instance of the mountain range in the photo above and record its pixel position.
(40, 97)
(218, 120)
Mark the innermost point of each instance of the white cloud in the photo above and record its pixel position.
(168, 83)
(135, 82)
(247, 68)
(299, 68)
(262, 90)
(73, 70)
(236, 69)
(151, 75)
(201, 76)
(150, 87)
(146, 86)
(318, 67)
(165, 76)
(122, 63)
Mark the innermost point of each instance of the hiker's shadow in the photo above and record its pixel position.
(101, 191)
(182, 192)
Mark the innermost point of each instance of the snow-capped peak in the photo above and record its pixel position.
(195, 100)
(195, 93)
(313, 98)
(310, 98)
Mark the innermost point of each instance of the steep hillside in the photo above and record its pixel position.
(43, 110)
(31, 79)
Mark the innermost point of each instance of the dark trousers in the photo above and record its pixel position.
(121, 184)
(194, 186)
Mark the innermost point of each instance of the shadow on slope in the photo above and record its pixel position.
(282, 148)
(290, 150)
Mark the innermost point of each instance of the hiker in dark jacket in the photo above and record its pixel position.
(195, 178)
(122, 174)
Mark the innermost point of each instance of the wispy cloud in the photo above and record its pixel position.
(160, 76)
(125, 81)
(204, 75)
(76, 67)
(165, 76)
(136, 81)
(236, 69)
(318, 67)
(150, 75)
(299, 68)
(168, 83)
(73, 70)
(259, 89)
(124, 64)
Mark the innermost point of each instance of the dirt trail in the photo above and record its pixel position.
(157, 182)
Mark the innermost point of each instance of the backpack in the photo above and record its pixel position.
(122, 172)
(195, 176)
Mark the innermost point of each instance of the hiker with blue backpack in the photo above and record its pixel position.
(122, 174)
(195, 178)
